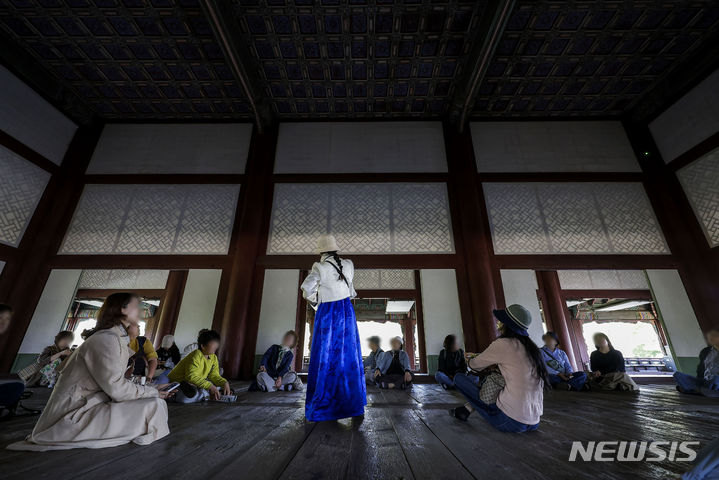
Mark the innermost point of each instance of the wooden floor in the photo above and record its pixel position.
(404, 435)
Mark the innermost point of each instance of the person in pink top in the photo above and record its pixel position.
(519, 404)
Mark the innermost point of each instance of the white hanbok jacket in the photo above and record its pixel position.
(323, 284)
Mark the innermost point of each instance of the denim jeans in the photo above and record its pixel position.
(469, 387)
(576, 381)
(443, 379)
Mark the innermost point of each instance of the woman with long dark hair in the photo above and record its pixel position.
(335, 380)
(93, 405)
(450, 362)
(513, 396)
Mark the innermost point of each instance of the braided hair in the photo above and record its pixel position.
(338, 261)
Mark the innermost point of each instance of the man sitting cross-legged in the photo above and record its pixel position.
(276, 364)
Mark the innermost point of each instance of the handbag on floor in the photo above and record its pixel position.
(491, 386)
(28, 372)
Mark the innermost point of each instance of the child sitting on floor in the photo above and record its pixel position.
(276, 364)
(199, 372)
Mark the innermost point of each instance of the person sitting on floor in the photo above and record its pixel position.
(370, 363)
(560, 371)
(451, 361)
(607, 365)
(10, 389)
(92, 404)
(145, 357)
(707, 380)
(393, 370)
(51, 358)
(276, 365)
(168, 355)
(511, 400)
(199, 372)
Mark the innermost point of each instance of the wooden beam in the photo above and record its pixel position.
(167, 319)
(171, 179)
(160, 262)
(300, 321)
(223, 19)
(591, 293)
(105, 292)
(478, 280)
(366, 261)
(555, 311)
(698, 263)
(386, 293)
(26, 152)
(359, 177)
(23, 280)
(586, 262)
(562, 177)
(238, 318)
(419, 310)
(489, 32)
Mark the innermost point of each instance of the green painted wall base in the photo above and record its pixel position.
(687, 364)
(23, 360)
(432, 362)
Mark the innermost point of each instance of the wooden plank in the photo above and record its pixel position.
(375, 449)
(325, 453)
(425, 452)
(269, 457)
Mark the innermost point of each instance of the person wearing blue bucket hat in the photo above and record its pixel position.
(519, 404)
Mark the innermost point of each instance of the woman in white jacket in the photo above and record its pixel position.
(335, 382)
(93, 405)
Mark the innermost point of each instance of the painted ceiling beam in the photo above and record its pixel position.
(23, 65)
(226, 28)
(489, 32)
(683, 76)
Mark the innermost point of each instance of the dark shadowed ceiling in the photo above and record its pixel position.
(163, 59)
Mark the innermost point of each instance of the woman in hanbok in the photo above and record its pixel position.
(335, 382)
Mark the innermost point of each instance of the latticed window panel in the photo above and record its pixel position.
(572, 218)
(700, 180)
(161, 219)
(368, 218)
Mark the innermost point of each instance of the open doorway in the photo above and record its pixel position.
(85, 306)
(633, 327)
(385, 317)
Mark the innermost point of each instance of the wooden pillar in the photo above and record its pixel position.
(555, 311)
(478, 279)
(241, 284)
(698, 262)
(170, 305)
(24, 278)
(408, 327)
(419, 313)
(300, 322)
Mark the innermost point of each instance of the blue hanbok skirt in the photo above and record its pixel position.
(335, 381)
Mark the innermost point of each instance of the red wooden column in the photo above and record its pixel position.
(170, 305)
(478, 279)
(698, 262)
(240, 296)
(24, 278)
(555, 310)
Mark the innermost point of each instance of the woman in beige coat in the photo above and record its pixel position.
(93, 405)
